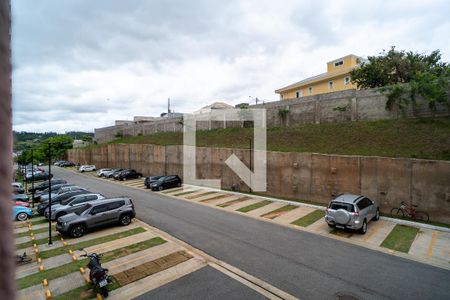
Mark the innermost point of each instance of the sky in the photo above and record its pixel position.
(81, 64)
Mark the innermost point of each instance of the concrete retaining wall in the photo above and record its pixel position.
(314, 177)
(355, 105)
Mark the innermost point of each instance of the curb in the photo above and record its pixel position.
(318, 207)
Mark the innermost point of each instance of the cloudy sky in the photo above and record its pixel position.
(80, 65)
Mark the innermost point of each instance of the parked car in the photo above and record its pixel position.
(94, 214)
(67, 164)
(37, 176)
(44, 185)
(151, 179)
(166, 182)
(111, 173)
(59, 162)
(101, 172)
(62, 190)
(351, 212)
(20, 197)
(70, 205)
(42, 195)
(127, 174)
(86, 168)
(20, 203)
(17, 188)
(41, 207)
(21, 213)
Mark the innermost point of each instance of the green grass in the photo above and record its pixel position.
(254, 206)
(37, 222)
(63, 270)
(310, 218)
(30, 243)
(400, 238)
(185, 193)
(27, 233)
(85, 244)
(85, 292)
(427, 138)
(281, 209)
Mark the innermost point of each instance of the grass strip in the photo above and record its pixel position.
(400, 238)
(37, 222)
(275, 213)
(149, 268)
(310, 218)
(27, 233)
(85, 292)
(68, 268)
(172, 190)
(31, 242)
(215, 197)
(201, 195)
(185, 193)
(254, 206)
(85, 244)
(232, 202)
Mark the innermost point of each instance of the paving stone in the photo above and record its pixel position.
(265, 209)
(294, 214)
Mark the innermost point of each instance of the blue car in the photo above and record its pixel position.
(21, 213)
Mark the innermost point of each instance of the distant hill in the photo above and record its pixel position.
(25, 140)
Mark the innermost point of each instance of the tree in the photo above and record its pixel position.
(404, 75)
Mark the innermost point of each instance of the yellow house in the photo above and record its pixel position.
(337, 78)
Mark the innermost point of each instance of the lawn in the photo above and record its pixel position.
(100, 240)
(310, 218)
(400, 238)
(63, 270)
(416, 138)
(254, 206)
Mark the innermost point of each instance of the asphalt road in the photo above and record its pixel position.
(306, 265)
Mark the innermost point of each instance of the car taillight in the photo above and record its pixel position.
(355, 214)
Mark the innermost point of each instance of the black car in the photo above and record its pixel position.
(151, 179)
(166, 182)
(128, 174)
(56, 200)
(38, 176)
(114, 173)
(18, 190)
(44, 185)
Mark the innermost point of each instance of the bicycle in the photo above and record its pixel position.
(410, 212)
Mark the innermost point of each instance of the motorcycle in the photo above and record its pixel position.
(97, 274)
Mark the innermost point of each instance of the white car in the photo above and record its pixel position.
(87, 168)
(101, 172)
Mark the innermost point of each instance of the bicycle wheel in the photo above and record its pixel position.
(422, 216)
(397, 213)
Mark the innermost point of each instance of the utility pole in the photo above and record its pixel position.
(251, 157)
(168, 107)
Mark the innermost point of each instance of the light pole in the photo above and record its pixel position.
(251, 156)
(32, 178)
(49, 194)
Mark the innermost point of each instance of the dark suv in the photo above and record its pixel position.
(127, 174)
(166, 182)
(95, 214)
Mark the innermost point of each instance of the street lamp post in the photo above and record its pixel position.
(251, 157)
(49, 195)
(32, 178)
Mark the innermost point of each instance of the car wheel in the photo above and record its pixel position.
(377, 215)
(160, 188)
(125, 220)
(363, 229)
(77, 231)
(22, 216)
(330, 225)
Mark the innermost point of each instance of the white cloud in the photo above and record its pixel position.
(79, 65)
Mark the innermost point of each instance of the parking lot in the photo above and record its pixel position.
(140, 258)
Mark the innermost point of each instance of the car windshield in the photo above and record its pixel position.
(340, 205)
(81, 209)
(67, 201)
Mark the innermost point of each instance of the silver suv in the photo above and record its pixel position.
(351, 212)
(94, 214)
(70, 205)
